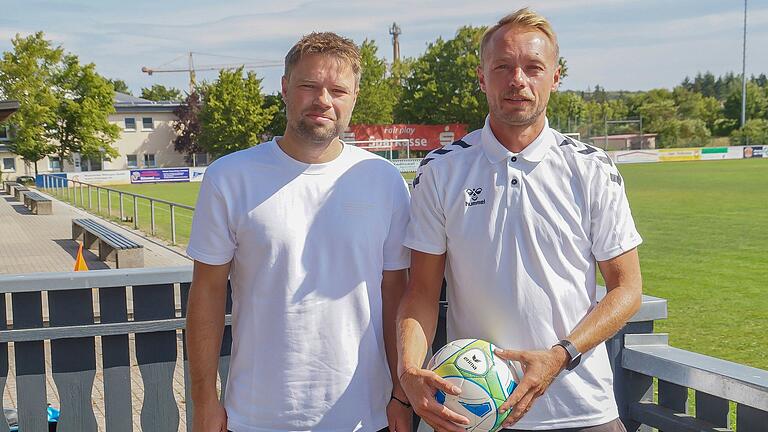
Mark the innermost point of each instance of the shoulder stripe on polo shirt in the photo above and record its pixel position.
(440, 151)
(616, 178)
(567, 141)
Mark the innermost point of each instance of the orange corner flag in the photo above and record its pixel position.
(80, 264)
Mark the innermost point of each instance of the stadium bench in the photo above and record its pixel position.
(112, 246)
(37, 203)
(18, 191)
(8, 185)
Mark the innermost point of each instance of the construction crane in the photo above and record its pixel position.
(191, 69)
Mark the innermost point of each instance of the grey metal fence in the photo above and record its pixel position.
(143, 310)
(156, 217)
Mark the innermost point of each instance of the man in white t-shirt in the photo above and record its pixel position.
(517, 216)
(309, 232)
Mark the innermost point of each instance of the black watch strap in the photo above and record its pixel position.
(573, 353)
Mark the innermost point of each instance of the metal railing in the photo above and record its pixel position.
(80, 194)
(92, 321)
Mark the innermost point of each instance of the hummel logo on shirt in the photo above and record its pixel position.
(473, 197)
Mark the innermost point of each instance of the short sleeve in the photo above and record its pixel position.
(212, 240)
(397, 256)
(426, 228)
(613, 228)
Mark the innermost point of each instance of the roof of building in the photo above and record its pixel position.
(127, 103)
(7, 107)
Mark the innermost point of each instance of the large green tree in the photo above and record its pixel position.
(160, 92)
(85, 101)
(442, 85)
(274, 102)
(378, 94)
(120, 86)
(26, 75)
(233, 116)
(187, 127)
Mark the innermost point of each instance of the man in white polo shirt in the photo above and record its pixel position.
(517, 216)
(309, 232)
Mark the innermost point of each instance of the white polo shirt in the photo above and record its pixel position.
(522, 233)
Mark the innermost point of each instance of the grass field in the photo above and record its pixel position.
(705, 248)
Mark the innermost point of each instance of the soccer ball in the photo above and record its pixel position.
(485, 380)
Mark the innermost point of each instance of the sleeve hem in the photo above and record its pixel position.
(210, 259)
(618, 250)
(397, 265)
(424, 247)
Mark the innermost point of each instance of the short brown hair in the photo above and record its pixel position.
(525, 18)
(326, 43)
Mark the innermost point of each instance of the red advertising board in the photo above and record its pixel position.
(420, 137)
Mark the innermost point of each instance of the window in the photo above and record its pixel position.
(147, 124)
(5, 134)
(200, 159)
(54, 163)
(130, 124)
(133, 161)
(9, 164)
(149, 160)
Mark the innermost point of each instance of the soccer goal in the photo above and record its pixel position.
(388, 148)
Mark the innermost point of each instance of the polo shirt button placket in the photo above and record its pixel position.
(513, 174)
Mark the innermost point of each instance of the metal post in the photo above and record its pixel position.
(98, 200)
(152, 216)
(90, 203)
(173, 225)
(109, 203)
(122, 209)
(744, 72)
(605, 146)
(135, 213)
(82, 202)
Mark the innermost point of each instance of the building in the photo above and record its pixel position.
(145, 141)
(625, 142)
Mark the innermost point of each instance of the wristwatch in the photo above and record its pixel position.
(572, 351)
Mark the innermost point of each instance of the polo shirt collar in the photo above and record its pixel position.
(534, 152)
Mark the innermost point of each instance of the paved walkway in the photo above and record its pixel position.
(42, 243)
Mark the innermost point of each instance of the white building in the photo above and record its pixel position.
(145, 141)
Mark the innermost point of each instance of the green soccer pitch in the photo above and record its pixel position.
(705, 249)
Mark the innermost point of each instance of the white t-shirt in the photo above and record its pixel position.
(308, 244)
(522, 232)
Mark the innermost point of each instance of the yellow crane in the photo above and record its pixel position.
(191, 69)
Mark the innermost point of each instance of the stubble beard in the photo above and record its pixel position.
(520, 118)
(319, 135)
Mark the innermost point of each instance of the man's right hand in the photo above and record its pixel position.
(420, 385)
(210, 417)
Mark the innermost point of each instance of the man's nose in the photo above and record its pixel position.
(323, 97)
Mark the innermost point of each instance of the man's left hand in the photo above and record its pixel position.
(399, 416)
(539, 370)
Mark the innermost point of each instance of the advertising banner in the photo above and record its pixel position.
(101, 177)
(420, 137)
(754, 152)
(196, 174)
(407, 165)
(735, 152)
(160, 175)
(634, 156)
(678, 155)
(714, 153)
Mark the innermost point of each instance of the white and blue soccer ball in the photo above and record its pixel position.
(485, 380)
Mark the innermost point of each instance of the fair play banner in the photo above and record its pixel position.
(420, 137)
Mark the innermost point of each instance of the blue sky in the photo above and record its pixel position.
(630, 45)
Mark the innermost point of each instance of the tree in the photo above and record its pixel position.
(378, 95)
(563, 69)
(26, 75)
(159, 93)
(187, 127)
(233, 116)
(563, 107)
(442, 86)
(120, 86)
(757, 103)
(85, 101)
(279, 121)
(755, 131)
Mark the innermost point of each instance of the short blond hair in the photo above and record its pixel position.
(326, 43)
(525, 18)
